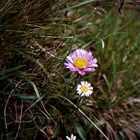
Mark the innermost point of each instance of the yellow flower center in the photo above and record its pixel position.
(81, 63)
(84, 88)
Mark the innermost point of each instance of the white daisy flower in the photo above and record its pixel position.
(84, 89)
(71, 138)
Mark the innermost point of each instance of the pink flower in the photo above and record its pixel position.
(81, 61)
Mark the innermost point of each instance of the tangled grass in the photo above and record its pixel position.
(38, 96)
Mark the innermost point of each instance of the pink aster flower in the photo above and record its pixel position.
(81, 61)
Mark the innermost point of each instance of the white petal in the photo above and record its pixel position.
(79, 86)
(88, 84)
(82, 82)
(74, 138)
(90, 88)
(68, 138)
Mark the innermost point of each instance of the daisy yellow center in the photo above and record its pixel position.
(81, 63)
(84, 88)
